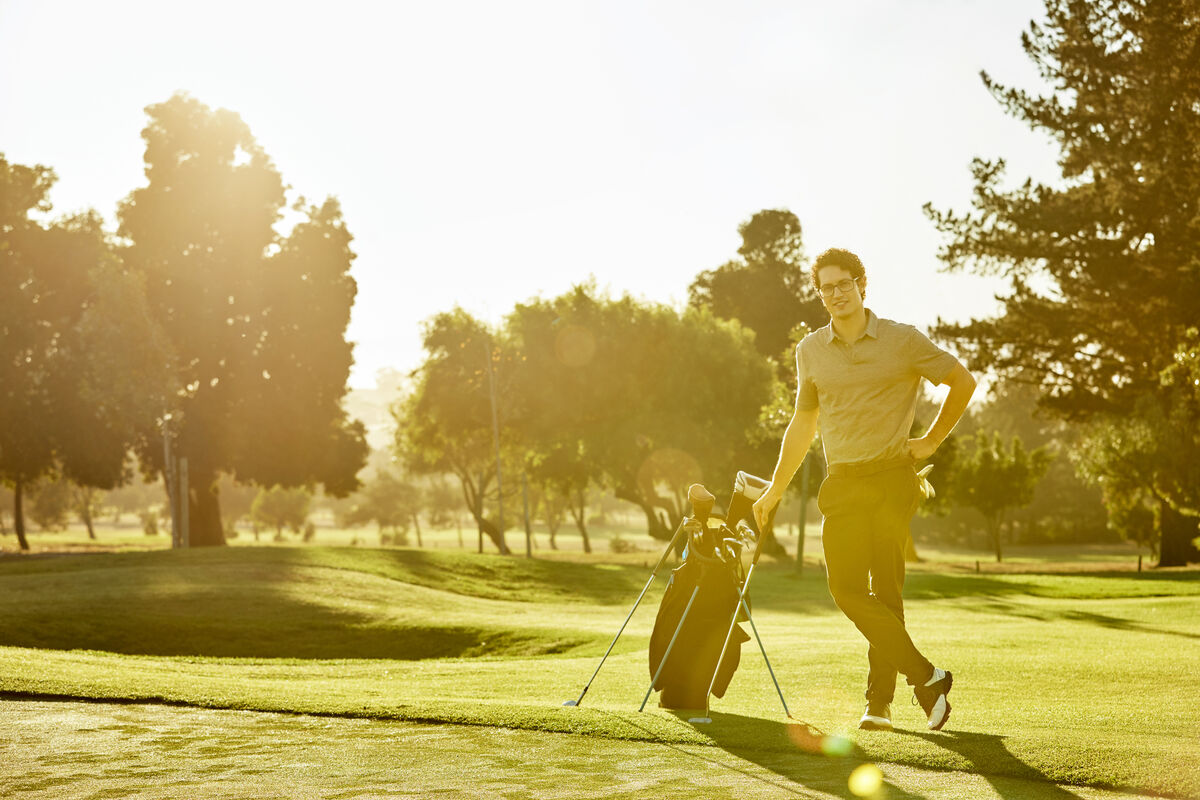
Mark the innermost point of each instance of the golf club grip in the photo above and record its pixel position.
(769, 527)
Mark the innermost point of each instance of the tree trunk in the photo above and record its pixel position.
(655, 525)
(579, 513)
(85, 511)
(1178, 533)
(417, 526)
(994, 533)
(204, 513)
(19, 514)
(495, 534)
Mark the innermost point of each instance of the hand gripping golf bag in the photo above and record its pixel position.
(693, 658)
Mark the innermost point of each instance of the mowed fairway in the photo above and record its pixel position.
(1077, 679)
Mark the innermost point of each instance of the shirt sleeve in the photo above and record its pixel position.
(806, 390)
(929, 361)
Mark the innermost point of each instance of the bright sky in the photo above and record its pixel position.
(488, 152)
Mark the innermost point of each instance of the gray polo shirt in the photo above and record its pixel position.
(867, 389)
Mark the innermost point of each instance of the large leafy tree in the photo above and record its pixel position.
(767, 289)
(256, 319)
(639, 397)
(445, 424)
(81, 363)
(1104, 266)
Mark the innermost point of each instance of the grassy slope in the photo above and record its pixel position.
(1086, 679)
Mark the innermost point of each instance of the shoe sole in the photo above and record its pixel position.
(872, 725)
(943, 702)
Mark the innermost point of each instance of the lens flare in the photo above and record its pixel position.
(805, 737)
(836, 746)
(866, 780)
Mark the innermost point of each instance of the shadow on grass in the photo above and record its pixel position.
(990, 758)
(1120, 624)
(804, 758)
(248, 610)
(1047, 614)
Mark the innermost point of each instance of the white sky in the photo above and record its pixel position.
(487, 152)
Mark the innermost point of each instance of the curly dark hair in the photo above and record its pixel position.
(837, 257)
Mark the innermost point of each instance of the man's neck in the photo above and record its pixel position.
(851, 328)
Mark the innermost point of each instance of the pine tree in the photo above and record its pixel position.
(1104, 266)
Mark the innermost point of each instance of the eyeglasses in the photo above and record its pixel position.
(844, 286)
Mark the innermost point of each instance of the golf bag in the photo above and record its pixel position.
(689, 636)
(710, 579)
(684, 680)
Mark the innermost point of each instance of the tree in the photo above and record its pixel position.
(994, 479)
(134, 497)
(1147, 466)
(444, 505)
(84, 500)
(280, 507)
(1104, 268)
(256, 319)
(767, 290)
(52, 501)
(83, 362)
(445, 424)
(237, 500)
(6, 500)
(636, 397)
(390, 502)
(1064, 506)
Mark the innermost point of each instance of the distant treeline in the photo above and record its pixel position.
(198, 327)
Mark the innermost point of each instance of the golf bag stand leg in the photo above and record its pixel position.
(763, 650)
(741, 603)
(725, 645)
(666, 554)
(670, 645)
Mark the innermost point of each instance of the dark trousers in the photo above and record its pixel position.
(867, 511)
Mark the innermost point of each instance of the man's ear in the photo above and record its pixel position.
(862, 286)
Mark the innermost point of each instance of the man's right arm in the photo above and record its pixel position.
(796, 441)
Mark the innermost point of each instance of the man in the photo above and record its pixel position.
(861, 375)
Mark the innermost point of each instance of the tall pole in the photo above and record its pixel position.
(528, 530)
(184, 521)
(496, 439)
(169, 480)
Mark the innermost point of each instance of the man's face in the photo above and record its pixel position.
(840, 293)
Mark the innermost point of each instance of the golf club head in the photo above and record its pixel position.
(746, 489)
(571, 703)
(700, 721)
(702, 501)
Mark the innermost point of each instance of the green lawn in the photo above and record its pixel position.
(1087, 679)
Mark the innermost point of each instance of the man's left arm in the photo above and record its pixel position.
(962, 386)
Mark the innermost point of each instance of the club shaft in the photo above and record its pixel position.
(670, 645)
(666, 554)
(729, 633)
(763, 650)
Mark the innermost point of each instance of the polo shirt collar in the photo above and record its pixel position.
(872, 329)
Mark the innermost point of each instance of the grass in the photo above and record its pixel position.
(1086, 679)
(152, 751)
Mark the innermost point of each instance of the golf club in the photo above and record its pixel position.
(702, 504)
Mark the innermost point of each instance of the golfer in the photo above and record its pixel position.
(860, 375)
